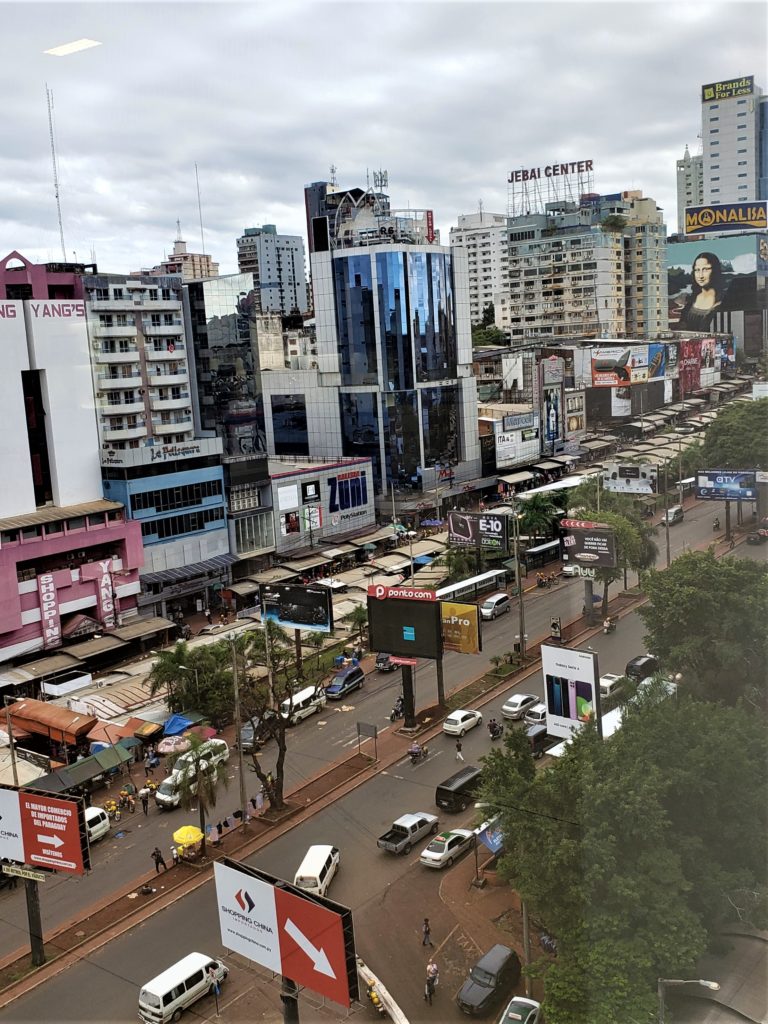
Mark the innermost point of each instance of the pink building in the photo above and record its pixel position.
(68, 558)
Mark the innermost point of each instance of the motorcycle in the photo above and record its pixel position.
(398, 711)
(609, 625)
(495, 730)
(715, 524)
(542, 581)
(418, 755)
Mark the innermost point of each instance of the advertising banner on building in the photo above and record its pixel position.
(726, 485)
(49, 610)
(705, 220)
(570, 688)
(657, 362)
(516, 447)
(725, 353)
(296, 607)
(627, 478)
(707, 354)
(408, 628)
(709, 280)
(289, 523)
(689, 371)
(575, 414)
(616, 366)
(461, 627)
(310, 491)
(588, 544)
(728, 90)
(621, 402)
(552, 412)
(487, 530)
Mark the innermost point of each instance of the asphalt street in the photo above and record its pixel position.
(106, 985)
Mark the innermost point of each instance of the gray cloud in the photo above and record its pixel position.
(265, 96)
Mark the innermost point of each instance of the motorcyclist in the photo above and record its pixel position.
(716, 523)
(415, 751)
(398, 709)
(494, 728)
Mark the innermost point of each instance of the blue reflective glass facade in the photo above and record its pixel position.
(289, 423)
(440, 425)
(402, 437)
(360, 427)
(396, 347)
(353, 288)
(432, 315)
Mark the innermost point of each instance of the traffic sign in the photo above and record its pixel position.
(42, 830)
(303, 937)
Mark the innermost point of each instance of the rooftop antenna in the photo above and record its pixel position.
(178, 231)
(480, 209)
(199, 209)
(55, 162)
(333, 168)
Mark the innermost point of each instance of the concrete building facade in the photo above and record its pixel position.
(690, 185)
(730, 137)
(278, 266)
(484, 237)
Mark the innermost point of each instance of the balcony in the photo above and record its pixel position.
(118, 331)
(110, 409)
(131, 356)
(170, 403)
(180, 427)
(106, 381)
(156, 330)
(169, 378)
(124, 305)
(164, 353)
(125, 433)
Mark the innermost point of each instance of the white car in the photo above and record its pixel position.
(446, 847)
(609, 684)
(521, 1009)
(459, 722)
(518, 704)
(571, 569)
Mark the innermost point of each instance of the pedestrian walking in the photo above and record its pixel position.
(174, 855)
(148, 764)
(433, 976)
(459, 755)
(259, 803)
(208, 616)
(426, 933)
(158, 858)
(144, 797)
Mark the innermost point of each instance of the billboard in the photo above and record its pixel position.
(486, 530)
(44, 831)
(552, 411)
(296, 607)
(630, 479)
(589, 544)
(708, 280)
(571, 690)
(728, 90)
(726, 485)
(615, 366)
(461, 627)
(307, 938)
(405, 627)
(703, 220)
(689, 372)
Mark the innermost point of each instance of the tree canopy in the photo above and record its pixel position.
(706, 617)
(632, 852)
(738, 438)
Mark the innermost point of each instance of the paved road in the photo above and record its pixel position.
(352, 824)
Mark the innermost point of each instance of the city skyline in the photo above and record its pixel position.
(265, 99)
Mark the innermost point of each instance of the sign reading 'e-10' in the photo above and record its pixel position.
(478, 530)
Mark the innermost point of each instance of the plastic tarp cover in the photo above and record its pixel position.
(176, 725)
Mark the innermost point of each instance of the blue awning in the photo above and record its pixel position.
(176, 725)
(423, 559)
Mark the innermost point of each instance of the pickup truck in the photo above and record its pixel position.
(406, 831)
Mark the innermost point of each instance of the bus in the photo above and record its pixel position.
(495, 579)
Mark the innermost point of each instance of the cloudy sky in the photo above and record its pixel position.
(266, 95)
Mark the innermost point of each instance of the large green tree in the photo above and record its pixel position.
(537, 515)
(738, 438)
(633, 851)
(198, 678)
(706, 618)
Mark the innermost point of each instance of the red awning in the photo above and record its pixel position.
(45, 719)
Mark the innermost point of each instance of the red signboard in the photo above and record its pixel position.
(402, 593)
(582, 524)
(403, 661)
(51, 833)
(312, 946)
(430, 226)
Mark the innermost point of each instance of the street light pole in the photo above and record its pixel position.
(519, 582)
(240, 764)
(662, 983)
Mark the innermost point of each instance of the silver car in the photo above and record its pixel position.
(518, 704)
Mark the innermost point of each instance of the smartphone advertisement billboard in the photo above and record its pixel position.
(298, 607)
(571, 690)
(726, 485)
(629, 478)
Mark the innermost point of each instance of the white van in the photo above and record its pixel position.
(170, 993)
(317, 869)
(213, 751)
(300, 705)
(96, 823)
(495, 605)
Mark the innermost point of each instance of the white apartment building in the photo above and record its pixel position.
(690, 185)
(730, 135)
(190, 265)
(139, 360)
(277, 264)
(484, 238)
(593, 271)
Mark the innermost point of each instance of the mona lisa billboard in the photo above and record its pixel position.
(711, 278)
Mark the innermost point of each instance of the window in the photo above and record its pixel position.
(76, 523)
(714, 119)
(741, 175)
(123, 344)
(155, 320)
(166, 294)
(121, 320)
(716, 179)
(742, 163)
(105, 320)
(192, 522)
(102, 294)
(714, 131)
(168, 319)
(117, 294)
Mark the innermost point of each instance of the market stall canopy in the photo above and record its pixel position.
(385, 533)
(187, 835)
(305, 564)
(176, 725)
(517, 478)
(45, 719)
(143, 627)
(205, 732)
(340, 551)
(243, 587)
(274, 576)
(108, 732)
(95, 646)
(33, 670)
(148, 732)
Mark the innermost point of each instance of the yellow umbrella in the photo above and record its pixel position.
(187, 835)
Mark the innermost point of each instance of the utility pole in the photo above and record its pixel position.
(240, 764)
(35, 922)
(519, 582)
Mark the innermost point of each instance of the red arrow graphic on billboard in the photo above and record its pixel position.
(318, 957)
(582, 524)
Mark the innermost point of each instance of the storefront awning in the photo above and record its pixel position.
(98, 645)
(340, 551)
(45, 667)
(548, 465)
(385, 533)
(304, 564)
(273, 576)
(517, 478)
(187, 572)
(148, 731)
(143, 627)
(46, 719)
(565, 460)
(595, 446)
(244, 587)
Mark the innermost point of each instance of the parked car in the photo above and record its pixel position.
(642, 667)
(684, 430)
(406, 831)
(518, 704)
(344, 682)
(210, 630)
(255, 732)
(446, 847)
(536, 715)
(384, 663)
(527, 1011)
(609, 684)
(459, 722)
(489, 981)
(757, 537)
(495, 605)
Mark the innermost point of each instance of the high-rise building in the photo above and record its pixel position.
(277, 264)
(484, 237)
(191, 265)
(68, 558)
(595, 269)
(690, 185)
(731, 146)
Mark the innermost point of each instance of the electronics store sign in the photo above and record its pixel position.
(347, 496)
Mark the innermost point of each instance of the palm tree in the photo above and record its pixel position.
(358, 620)
(537, 514)
(197, 781)
(169, 672)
